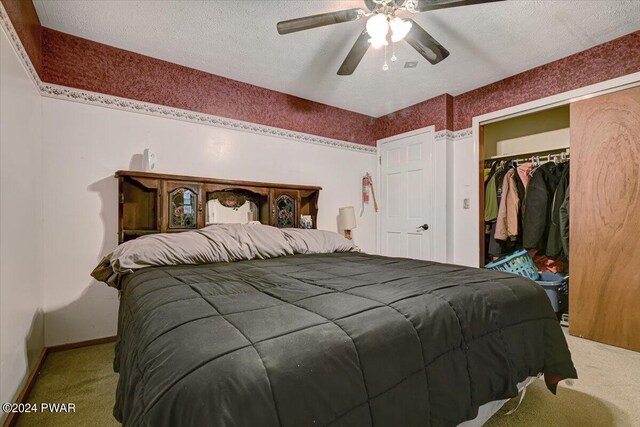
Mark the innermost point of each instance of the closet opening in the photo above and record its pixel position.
(596, 131)
(524, 195)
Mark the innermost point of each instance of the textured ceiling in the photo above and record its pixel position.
(238, 40)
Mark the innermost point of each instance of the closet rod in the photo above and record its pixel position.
(528, 154)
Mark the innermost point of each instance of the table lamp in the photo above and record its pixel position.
(347, 220)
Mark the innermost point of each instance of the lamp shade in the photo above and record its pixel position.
(347, 218)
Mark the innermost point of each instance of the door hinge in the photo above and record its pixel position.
(380, 159)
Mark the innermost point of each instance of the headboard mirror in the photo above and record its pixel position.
(232, 206)
(161, 203)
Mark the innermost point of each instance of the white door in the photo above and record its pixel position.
(406, 177)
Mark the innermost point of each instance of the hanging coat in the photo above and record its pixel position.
(536, 216)
(499, 248)
(554, 240)
(490, 197)
(509, 211)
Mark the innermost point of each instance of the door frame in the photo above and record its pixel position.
(564, 98)
(438, 193)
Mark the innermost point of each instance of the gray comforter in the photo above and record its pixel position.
(328, 339)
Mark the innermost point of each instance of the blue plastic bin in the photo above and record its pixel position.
(552, 282)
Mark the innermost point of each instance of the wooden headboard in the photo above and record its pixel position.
(161, 203)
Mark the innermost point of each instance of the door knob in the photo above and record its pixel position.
(423, 227)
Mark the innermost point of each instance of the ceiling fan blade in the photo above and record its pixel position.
(355, 55)
(426, 45)
(427, 5)
(315, 21)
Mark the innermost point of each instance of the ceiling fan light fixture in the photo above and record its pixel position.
(399, 29)
(378, 28)
(378, 43)
(382, 27)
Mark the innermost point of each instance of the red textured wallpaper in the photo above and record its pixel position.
(25, 20)
(436, 111)
(84, 64)
(613, 59)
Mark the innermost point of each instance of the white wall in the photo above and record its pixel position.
(21, 284)
(450, 198)
(544, 141)
(465, 186)
(85, 144)
(537, 131)
(441, 212)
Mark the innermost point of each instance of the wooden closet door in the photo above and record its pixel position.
(605, 219)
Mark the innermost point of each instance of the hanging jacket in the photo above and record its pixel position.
(536, 216)
(499, 248)
(554, 240)
(490, 197)
(509, 211)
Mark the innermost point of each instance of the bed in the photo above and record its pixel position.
(305, 330)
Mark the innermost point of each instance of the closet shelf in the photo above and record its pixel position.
(528, 154)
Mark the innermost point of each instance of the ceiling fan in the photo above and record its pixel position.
(382, 26)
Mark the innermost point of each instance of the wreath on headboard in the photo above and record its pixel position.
(229, 199)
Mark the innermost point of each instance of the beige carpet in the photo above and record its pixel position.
(83, 376)
(607, 393)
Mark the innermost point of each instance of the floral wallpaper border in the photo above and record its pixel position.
(17, 45)
(62, 92)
